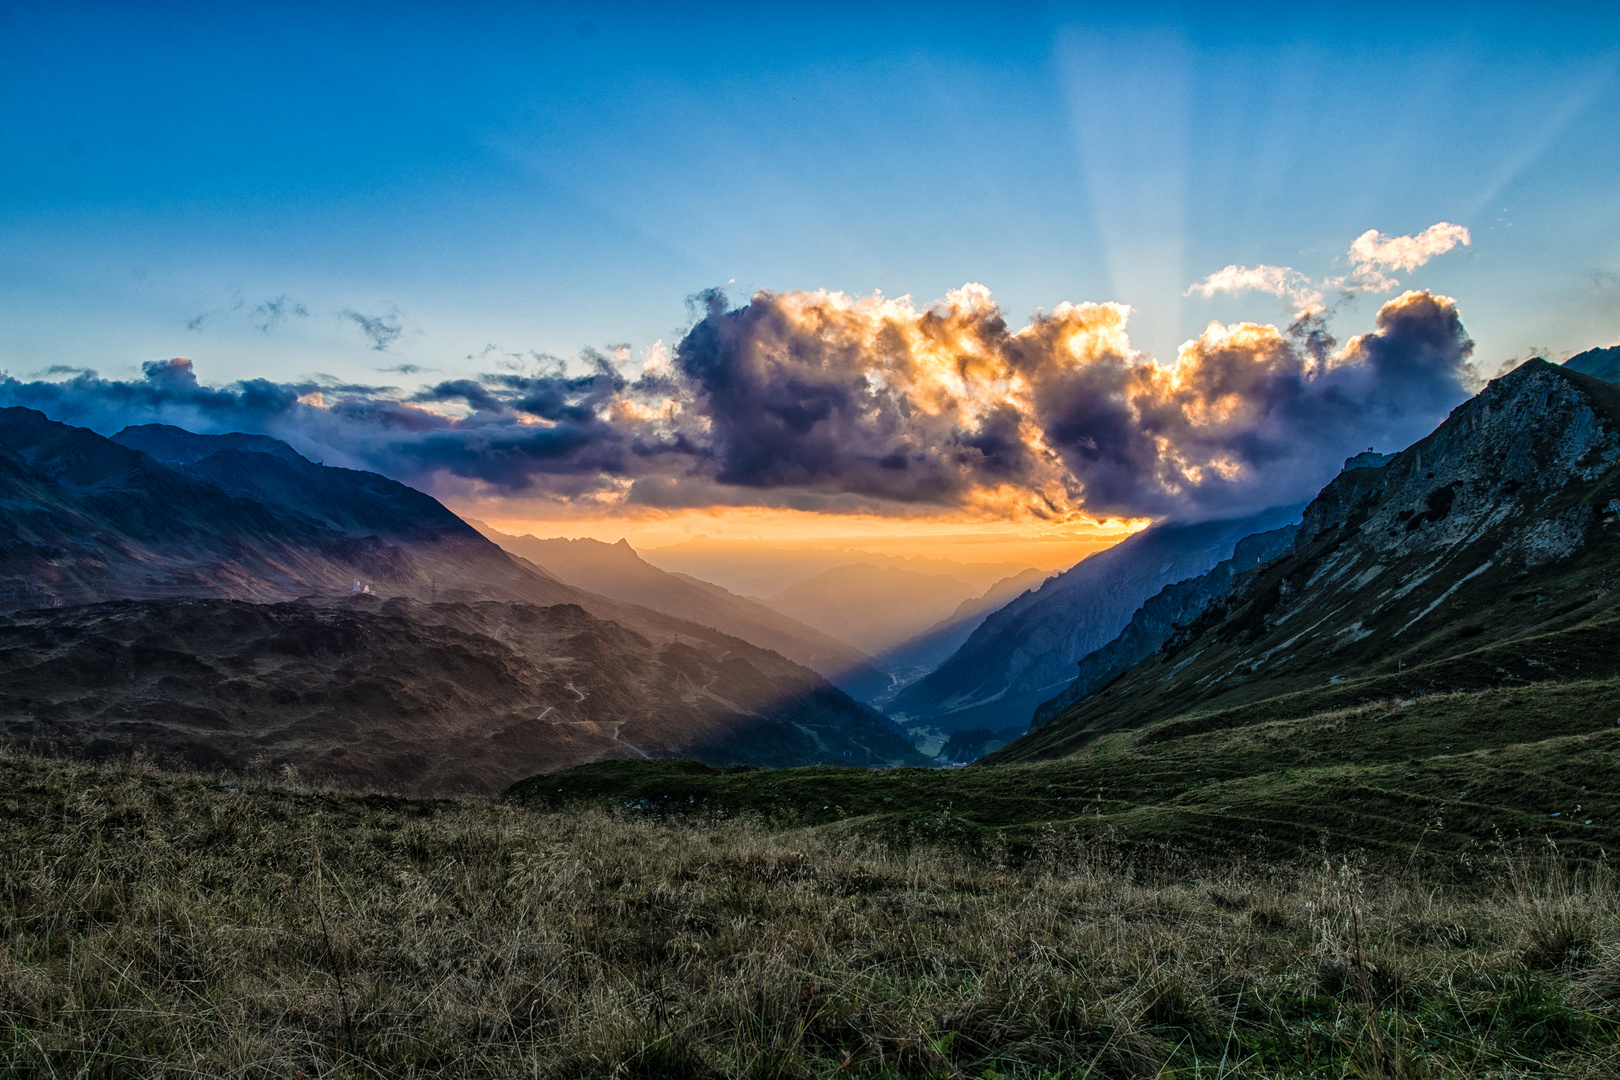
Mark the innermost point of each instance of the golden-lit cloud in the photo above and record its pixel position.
(866, 407)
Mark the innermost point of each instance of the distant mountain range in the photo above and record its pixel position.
(147, 578)
(1482, 557)
(1599, 363)
(917, 656)
(1025, 652)
(617, 572)
(873, 607)
(762, 568)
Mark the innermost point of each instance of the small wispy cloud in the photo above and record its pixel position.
(262, 315)
(404, 369)
(1283, 281)
(382, 330)
(1372, 256)
(274, 311)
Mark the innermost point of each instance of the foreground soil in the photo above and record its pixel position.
(162, 925)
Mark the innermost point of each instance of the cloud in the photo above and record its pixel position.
(824, 402)
(1283, 281)
(263, 315)
(274, 311)
(382, 330)
(1372, 255)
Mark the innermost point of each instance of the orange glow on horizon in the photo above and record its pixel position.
(1054, 546)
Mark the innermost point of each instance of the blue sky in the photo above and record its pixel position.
(554, 177)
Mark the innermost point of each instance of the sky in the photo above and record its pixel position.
(661, 223)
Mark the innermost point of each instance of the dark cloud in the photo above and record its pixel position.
(381, 330)
(263, 315)
(823, 402)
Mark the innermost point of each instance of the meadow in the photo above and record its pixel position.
(158, 924)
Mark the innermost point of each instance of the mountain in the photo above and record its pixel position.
(88, 518)
(1166, 612)
(223, 530)
(1024, 653)
(915, 657)
(1483, 558)
(872, 607)
(616, 571)
(1599, 363)
(437, 699)
(269, 472)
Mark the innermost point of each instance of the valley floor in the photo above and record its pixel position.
(162, 925)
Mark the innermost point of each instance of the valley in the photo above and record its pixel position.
(809, 542)
(1370, 742)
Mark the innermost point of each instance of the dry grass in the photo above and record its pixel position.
(152, 925)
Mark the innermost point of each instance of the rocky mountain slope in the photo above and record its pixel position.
(431, 698)
(1599, 363)
(618, 572)
(1485, 556)
(1162, 615)
(1025, 653)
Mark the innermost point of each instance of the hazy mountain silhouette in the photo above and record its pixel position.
(1024, 653)
(872, 607)
(618, 572)
(917, 656)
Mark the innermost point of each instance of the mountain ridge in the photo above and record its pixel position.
(105, 551)
(619, 572)
(1025, 652)
(1482, 555)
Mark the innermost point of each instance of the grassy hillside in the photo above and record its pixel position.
(1433, 781)
(161, 926)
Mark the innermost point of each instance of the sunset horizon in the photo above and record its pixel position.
(609, 541)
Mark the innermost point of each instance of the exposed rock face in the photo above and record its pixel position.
(1599, 363)
(1498, 526)
(1023, 654)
